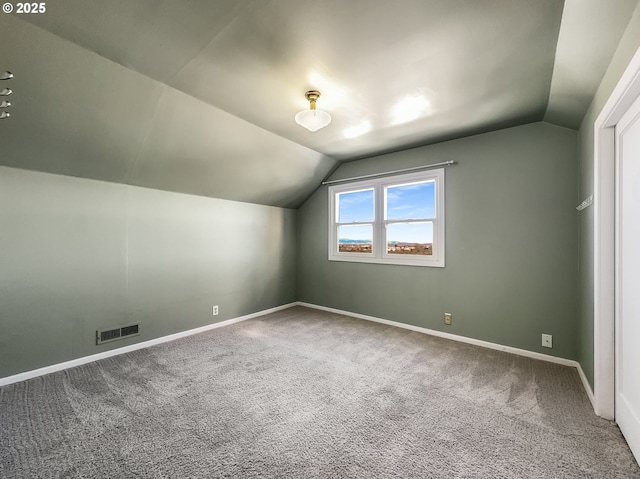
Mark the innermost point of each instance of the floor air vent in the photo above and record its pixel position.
(107, 335)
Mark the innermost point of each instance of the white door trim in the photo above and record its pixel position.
(604, 194)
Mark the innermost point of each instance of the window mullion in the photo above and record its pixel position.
(380, 223)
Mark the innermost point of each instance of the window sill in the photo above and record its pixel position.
(403, 261)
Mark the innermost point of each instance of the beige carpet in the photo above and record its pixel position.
(308, 394)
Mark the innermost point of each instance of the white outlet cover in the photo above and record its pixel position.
(547, 340)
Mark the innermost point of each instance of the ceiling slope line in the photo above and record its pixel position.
(545, 102)
(142, 145)
(589, 34)
(169, 80)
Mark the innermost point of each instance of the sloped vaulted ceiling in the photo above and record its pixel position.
(198, 96)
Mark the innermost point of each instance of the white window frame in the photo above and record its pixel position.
(379, 252)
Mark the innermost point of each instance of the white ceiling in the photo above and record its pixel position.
(198, 96)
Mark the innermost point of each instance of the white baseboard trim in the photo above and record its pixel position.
(454, 337)
(463, 339)
(587, 386)
(133, 347)
(172, 337)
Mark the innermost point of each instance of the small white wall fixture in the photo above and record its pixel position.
(604, 200)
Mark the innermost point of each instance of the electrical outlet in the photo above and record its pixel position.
(547, 340)
(448, 319)
(215, 310)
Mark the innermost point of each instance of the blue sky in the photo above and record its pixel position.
(355, 206)
(412, 201)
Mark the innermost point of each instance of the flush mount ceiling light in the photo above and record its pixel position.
(313, 119)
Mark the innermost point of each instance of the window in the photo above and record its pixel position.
(392, 220)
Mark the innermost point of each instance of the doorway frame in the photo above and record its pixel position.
(604, 225)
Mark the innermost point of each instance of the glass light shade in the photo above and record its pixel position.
(313, 120)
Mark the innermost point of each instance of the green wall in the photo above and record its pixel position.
(511, 236)
(627, 47)
(78, 255)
